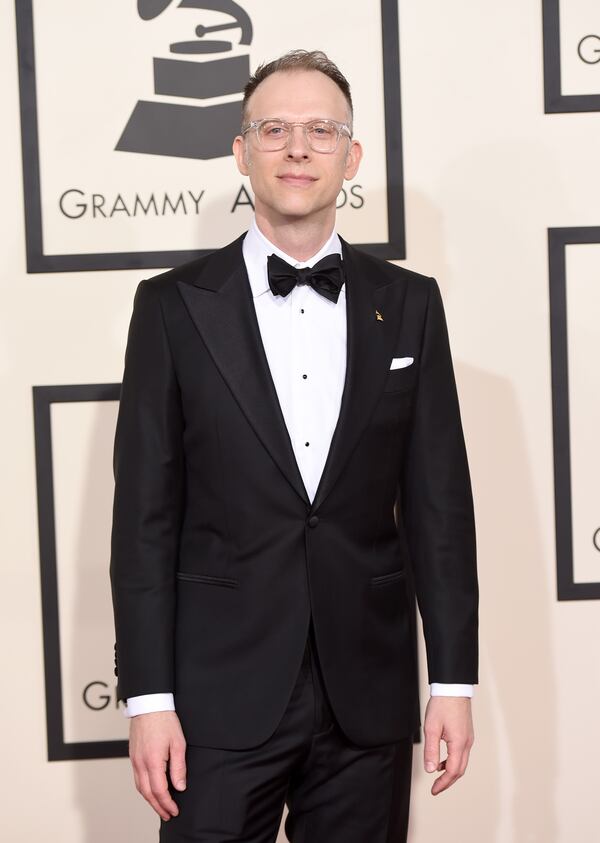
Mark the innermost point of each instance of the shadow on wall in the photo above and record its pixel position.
(507, 793)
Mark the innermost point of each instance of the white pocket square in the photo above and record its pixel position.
(400, 362)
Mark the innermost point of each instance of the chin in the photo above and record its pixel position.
(294, 210)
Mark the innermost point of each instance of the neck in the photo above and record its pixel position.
(298, 238)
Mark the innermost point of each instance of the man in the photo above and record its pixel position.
(288, 451)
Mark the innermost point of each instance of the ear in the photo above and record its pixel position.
(239, 151)
(353, 159)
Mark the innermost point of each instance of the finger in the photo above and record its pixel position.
(465, 760)
(453, 771)
(136, 777)
(177, 768)
(431, 752)
(440, 784)
(160, 790)
(143, 785)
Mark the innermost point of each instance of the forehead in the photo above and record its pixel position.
(298, 94)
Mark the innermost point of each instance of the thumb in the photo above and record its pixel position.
(432, 751)
(177, 768)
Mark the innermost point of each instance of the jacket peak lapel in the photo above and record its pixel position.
(368, 352)
(221, 306)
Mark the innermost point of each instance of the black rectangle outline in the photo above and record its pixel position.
(558, 240)
(37, 261)
(555, 102)
(43, 398)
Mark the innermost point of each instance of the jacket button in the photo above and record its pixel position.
(313, 520)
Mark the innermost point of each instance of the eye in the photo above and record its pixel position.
(321, 130)
(272, 129)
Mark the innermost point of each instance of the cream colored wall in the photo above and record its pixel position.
(487, 173)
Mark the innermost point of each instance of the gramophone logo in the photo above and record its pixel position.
(205, 128)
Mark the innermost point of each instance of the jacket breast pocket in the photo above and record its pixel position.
(401, 380)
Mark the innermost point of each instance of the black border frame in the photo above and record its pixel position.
(43, 397)
(37, 261)
(558, 240)
(555, 101)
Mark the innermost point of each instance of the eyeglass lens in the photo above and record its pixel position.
(321, 135)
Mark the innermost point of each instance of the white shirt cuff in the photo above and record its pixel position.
(443, 689)
(147, 703)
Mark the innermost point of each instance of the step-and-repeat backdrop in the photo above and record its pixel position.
(481, 128)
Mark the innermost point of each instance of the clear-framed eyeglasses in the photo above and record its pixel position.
(321, 135)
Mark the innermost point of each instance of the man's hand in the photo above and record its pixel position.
(156, 740)
(448, 719)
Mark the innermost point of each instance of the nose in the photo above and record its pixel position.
(297, 146)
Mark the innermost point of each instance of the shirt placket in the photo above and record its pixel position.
(302, 373)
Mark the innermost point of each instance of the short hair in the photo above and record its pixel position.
(298, 60)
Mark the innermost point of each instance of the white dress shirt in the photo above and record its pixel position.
(298, 332)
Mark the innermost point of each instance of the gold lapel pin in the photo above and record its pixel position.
(379, 316)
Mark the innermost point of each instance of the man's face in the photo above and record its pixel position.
(295, 182)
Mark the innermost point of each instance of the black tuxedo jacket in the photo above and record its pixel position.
(218, 556)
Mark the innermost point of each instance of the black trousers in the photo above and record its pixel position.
(335, 791)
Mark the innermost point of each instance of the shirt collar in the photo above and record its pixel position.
(257, 248)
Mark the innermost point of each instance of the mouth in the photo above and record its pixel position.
(297, 179)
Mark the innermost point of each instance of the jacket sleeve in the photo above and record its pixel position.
(148, 503)
(437, 509)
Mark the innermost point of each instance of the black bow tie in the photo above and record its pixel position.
(326, 276)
